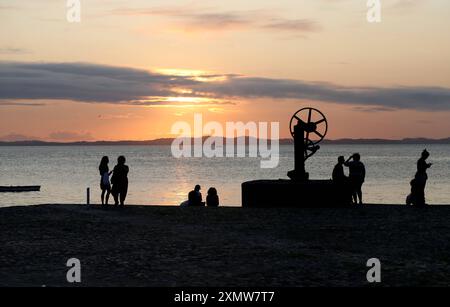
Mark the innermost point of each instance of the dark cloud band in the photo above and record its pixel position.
(106, 84)
(419, 98)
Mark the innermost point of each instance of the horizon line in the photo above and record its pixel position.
(165, 141)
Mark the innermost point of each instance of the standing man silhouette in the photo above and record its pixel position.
(338, 171)
(421, 178)
(357, 176)
(120, 181)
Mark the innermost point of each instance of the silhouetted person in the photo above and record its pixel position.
(338, 171)
(120, 181)
(357, 176)
(212, 199)
(411, 198)
(195, 197)
(105, 185)
(420, 180)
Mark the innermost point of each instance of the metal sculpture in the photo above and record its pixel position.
(309, 130)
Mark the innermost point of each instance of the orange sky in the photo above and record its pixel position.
(386, 80)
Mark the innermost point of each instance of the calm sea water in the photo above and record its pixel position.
(156, 178)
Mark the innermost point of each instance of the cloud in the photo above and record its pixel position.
(7, 7)
(297, 25)
(13, 50)
(424, 122)
(20, 104)
(93, 83)
(405, 5)
(401, 97)
(216, 21)
(119, 116)
(70, 136)
(193, 19)
(373, 109)
(183, 101)
(199, 19)
(83, 82)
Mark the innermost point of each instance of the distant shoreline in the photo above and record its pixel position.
(168, 141)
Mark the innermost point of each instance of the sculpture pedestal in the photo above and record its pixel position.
(300, 194)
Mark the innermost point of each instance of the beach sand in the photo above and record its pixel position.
(172, 246)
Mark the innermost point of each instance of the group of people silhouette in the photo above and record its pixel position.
(119, 181)
(118, 184)
(357, 175)
(195, 198)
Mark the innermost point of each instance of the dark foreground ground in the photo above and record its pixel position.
(171, 246)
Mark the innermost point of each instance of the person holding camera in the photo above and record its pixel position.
(357, 175)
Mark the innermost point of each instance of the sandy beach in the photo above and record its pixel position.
(172, 246)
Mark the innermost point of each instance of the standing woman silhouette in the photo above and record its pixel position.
(105, 185)
(120, 181)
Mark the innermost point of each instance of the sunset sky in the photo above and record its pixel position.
(131, 69)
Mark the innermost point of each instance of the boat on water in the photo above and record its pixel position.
(17, 189)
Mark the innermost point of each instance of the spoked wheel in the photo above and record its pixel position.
(315, 125)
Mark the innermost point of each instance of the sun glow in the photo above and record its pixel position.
(187, 99)
(197, 75)
(182, 91)
(179, 102)
(180, 72)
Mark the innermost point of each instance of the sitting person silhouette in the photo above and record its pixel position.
(120, 181)
(420, 179)
(338, 171)
(195, 197)
(356, 176)
(212, 199)
(411, 198)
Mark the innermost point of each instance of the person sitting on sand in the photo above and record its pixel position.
(120, 181)
(105, 185)
(420, 180)
(338, 171)
(195, 197)
(356, 176)
(212, 199)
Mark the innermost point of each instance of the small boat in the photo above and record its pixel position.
(17, 189)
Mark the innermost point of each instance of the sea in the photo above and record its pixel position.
(158, 178)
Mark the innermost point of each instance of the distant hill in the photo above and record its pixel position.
(383, 141)
(90, 143)
(168, 141)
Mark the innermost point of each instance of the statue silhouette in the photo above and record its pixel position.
(420, 180)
